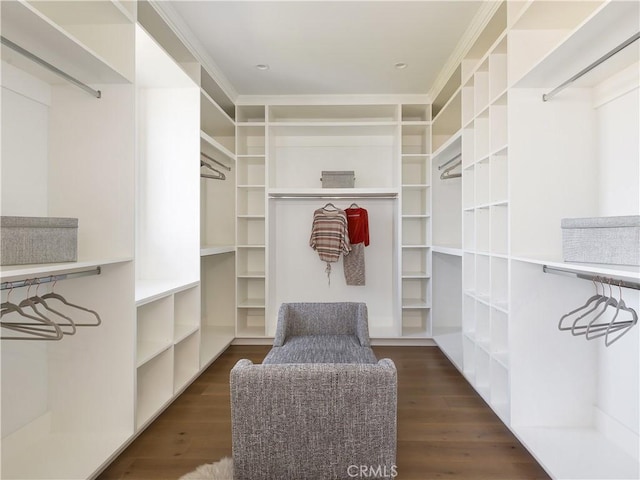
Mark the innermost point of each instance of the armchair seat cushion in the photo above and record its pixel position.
(321, 349)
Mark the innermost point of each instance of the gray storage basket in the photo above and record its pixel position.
(611, 240)
(338, 178)
(28, 240)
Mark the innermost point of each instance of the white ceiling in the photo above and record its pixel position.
(327, 47)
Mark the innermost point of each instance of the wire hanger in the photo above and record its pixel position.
(597, 305)
(592, 299)
(330, 207)
(218, 174)
(446, 175)
(68, 327)
(54, 296)
(42, 329)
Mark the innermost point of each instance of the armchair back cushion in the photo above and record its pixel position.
(339, 318)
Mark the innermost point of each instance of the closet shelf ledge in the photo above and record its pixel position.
(627, 272)
(150, 290)
(332, 192)
(10, 273)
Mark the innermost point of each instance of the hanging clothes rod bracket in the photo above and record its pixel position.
(50, 278)
(548, 96)
(56, 70)
(586, 276)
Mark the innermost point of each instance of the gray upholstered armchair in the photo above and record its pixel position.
(297, 419)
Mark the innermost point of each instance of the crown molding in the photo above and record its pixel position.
(472, 33)
(186, 36)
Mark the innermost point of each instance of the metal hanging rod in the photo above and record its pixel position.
(215, 161)
(48, 279)
(56, 70)
(440, 167)
(332, 197)
(606, 56)
(596, 278)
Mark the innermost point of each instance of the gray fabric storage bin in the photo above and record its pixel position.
(338, 178)
(612, 240)
(27, 240)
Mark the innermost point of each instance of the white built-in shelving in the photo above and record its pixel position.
(251, 220)
(168, 229)
(63, 400)
(415, 159)
(527, 164)
(485, 241)
(282, 150)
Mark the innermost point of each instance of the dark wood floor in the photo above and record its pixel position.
(445, 430)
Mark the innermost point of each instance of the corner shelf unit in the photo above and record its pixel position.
(251, 226)
(415, 159)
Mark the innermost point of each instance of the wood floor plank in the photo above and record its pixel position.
(445, 429)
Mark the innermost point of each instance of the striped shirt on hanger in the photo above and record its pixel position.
(329, 234)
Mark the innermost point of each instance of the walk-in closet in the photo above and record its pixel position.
(195, 200)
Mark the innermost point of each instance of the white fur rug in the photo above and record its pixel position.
(222, 470)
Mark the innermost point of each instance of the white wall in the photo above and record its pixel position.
(618, 145)
(25, 132)
(298, 275)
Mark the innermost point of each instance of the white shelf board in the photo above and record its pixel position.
(501, 306)
(251, 303)
(618, 271)
(251, 274)
(181, 332)
(502, 358)
(580, 453)
(217, 147)
(19, 272)
(28, 28)
(333, 192)
(251, 332)
(147, 351)
(150, 290)
(450, 148)
(207, 250)
(414, 304)
(585, 45)
(447, 250)
(417, 275)
(415, 332)
(341, 124)
(37, 452)
(220, 117)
